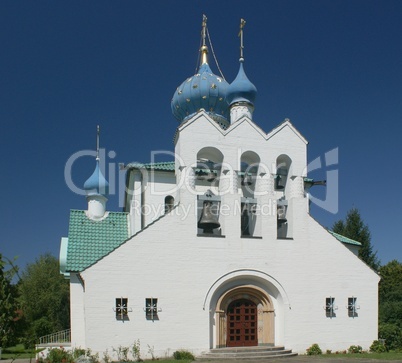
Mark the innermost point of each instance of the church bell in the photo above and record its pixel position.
(245, 221)
(281, 213)
(209, 220)
(208, 176)
(280, 179)
(247, 180)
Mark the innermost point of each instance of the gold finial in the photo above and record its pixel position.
(242, 24)
(204, 48)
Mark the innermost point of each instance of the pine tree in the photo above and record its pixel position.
(354, 228)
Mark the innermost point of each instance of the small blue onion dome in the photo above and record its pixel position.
(241, 89)
(204, 90)
(96, 183)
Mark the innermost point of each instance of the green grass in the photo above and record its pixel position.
(17, 352)
(379, 356)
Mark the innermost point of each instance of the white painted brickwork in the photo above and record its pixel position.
(189, 274)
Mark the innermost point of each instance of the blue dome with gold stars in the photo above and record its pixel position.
(204, 90)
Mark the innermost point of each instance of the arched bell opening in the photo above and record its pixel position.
(283, 206)
(208, 169)
(248, 171)
(169, 203)
(283, 164)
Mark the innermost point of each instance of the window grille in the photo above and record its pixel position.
(352, 307)
(151, 309)
(330, 307)
(121, 308)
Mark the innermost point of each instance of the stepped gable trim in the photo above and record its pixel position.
(245, 119)
(224, 132)
(123, 242)
(189, 121)
(286, 123)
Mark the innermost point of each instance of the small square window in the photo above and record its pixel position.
(330, 307)
(121, 308)
(151, 308)
(352, 307)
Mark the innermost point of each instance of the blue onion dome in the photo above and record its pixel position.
(96, 183)
(241, 89)
(204, 90)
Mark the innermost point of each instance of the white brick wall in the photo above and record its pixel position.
(188, 274)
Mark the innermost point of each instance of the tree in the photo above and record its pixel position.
(390, 294)
(8, 305)
(354, 228)
(44, 298)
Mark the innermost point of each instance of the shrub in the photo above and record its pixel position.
(122, 353)
(353, 349)
(392, 334)
(59, 355)
(136, 350)
(183, 354)
(328, 351)
(314, 350)
(378, 347)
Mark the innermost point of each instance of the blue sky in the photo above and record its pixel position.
(334, 68)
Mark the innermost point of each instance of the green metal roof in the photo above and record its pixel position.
(162, 166)
(344, 239)
(89, 240)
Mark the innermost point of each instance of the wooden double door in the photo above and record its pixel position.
(242, 324)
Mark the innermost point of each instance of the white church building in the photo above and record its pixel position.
(216, 248)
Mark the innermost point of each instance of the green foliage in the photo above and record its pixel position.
(151, 351)
(353, 227)
(390, 309)
(59, 355)
(391, 313)
(106, 357)
(8, 308)
(355, 349)
(136, 350)
(183, 354)
(122, 353)
(44, 298)
(392, 334)
(314, 350)
(391, 281)
(377, 347)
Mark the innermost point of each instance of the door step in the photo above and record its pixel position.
(244, 353)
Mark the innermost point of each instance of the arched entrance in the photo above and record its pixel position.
(242, 324)
(244, 316)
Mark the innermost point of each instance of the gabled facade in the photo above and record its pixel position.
(216, 248)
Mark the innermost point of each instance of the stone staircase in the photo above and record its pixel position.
(247, 353)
